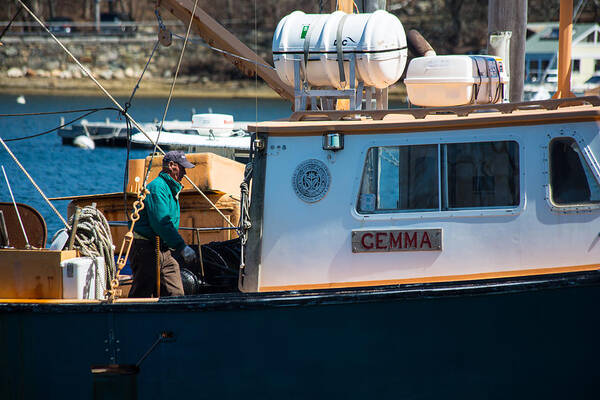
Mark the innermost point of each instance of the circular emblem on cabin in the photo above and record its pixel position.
(311, 180)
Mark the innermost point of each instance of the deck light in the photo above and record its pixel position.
(333, 141)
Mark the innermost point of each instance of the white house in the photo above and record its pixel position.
(541, 51)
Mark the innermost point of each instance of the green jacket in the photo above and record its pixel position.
(160, 216)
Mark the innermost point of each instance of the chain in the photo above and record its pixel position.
(114, 292)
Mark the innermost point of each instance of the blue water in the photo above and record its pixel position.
(65, 170)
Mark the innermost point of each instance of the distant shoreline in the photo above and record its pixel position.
(149, 88)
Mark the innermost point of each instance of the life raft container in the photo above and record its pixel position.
(376, 40)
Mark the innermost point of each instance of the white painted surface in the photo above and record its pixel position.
(187, 140)
(306, 243)
(80, 276)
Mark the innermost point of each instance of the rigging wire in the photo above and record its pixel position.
(137, 85)
(58, 112)
(89, 74)
(123, 111)
(208, 46)
(7, 27)
(61, 126)
(187, 35)
(16, 160)
(129, 128)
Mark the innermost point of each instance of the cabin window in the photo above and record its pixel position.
(571, 179)
(400, 178)
(482, 174)
(576, 65)
(440, 177)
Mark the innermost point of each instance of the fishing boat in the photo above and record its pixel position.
(441, 251)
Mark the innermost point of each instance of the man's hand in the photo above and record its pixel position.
(188, 254)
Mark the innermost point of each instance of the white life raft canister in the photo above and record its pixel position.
(376, 39)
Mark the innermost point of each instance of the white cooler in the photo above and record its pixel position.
(81, 276)
(444, 81)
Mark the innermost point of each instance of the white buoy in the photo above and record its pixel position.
(21, 99)
(84, 142)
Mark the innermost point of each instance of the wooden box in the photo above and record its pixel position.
(32, 274)
(211, 173)
(219, 179)
(196, 212)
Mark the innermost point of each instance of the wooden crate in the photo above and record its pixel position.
(218, 177)
(211, 173)
(32, 274)
(196, 212)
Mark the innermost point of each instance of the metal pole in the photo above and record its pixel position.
(74, 228)
(565, 29)
(27, 245)
(97, 14)
(370, 6)
(511, 16)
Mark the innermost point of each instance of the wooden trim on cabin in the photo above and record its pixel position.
(435, 279)
(475, 121)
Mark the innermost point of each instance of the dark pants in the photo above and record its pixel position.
(143, 266)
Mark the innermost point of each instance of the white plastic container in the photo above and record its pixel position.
(443, 81)
(376, 39)
(81, 276)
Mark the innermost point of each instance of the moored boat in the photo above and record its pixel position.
(201, 130)
(445, 251)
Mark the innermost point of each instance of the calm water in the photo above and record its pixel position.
(65, 170)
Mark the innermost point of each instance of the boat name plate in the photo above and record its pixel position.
(396, 240)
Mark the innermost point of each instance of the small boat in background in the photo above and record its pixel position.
(114, 134)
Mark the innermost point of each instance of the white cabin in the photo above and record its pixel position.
(410, 199)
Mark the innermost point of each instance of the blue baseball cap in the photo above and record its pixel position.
(177, 156)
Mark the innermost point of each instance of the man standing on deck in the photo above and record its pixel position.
(160, 218)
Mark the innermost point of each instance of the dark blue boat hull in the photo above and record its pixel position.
(536, 337)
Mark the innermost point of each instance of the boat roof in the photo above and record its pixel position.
(580, 109)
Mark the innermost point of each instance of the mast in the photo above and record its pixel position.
(342, 5)
(565, 36)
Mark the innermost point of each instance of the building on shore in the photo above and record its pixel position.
(541, 51)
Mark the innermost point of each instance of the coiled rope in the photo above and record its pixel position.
(93, 239)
